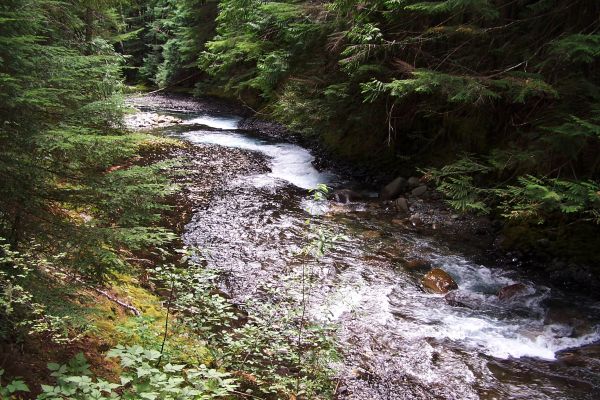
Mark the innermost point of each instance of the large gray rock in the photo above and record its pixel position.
(419, 191)
(393, 189)
(402, 204)
(413, 182)
(457, 298)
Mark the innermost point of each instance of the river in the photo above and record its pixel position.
(398, 341)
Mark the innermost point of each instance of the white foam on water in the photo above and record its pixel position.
(218, 122)
(501, 329)
(315, 207)
(288, 162)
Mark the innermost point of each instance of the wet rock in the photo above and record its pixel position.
(393, 189)
(586, 357)
(419, 191)
(346, 196)
(438, 281)
(401, 204)
(457, 298)
(342, 389)
(572, 317)
(372, 234)
(416, 263)
(150, 120)
(416, 220)
(511, 291)
(335, 209)
(413, 182)
(401, 222)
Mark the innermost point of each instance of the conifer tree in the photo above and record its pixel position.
(61, 110)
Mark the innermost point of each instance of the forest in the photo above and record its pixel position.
(161, 162)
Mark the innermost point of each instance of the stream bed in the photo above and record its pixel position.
(398, 342)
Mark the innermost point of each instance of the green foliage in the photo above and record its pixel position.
(20, 314)
(532, 199)
(578, 48)
(261, 342)
(15, 386)
(485, 8)
(536, 199)
(256, 43)
(455, 181)
(62, 113)
(455, 89)
(141, 378)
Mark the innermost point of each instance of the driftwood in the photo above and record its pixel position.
(112, 298)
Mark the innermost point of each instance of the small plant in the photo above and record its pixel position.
(9, 391)
(258, 340)
(141, 378)
(20, 314)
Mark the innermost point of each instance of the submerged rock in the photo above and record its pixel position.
(511, 291)
(372, 234)
(347, 196)
(393, 189)
(438, 281)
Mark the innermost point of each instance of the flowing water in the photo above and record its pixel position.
(398, 341)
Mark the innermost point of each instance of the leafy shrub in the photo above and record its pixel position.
(141, 378)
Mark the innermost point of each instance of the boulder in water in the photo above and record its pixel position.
(457, 298)
(346, 196)
(416, 263)
(393, 189)
(511, 291)
(438, 281)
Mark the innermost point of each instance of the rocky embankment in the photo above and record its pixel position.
(414, 202)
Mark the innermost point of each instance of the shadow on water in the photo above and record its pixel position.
(398, 341)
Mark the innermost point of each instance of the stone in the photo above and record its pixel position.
(419, 191)
(438, 281)
(346, 196)
(371, 234)
(402, 204)
(511, 291)
(416, 220)
(416, 263)
(413, 182)
(393, 189)
(457, 298)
